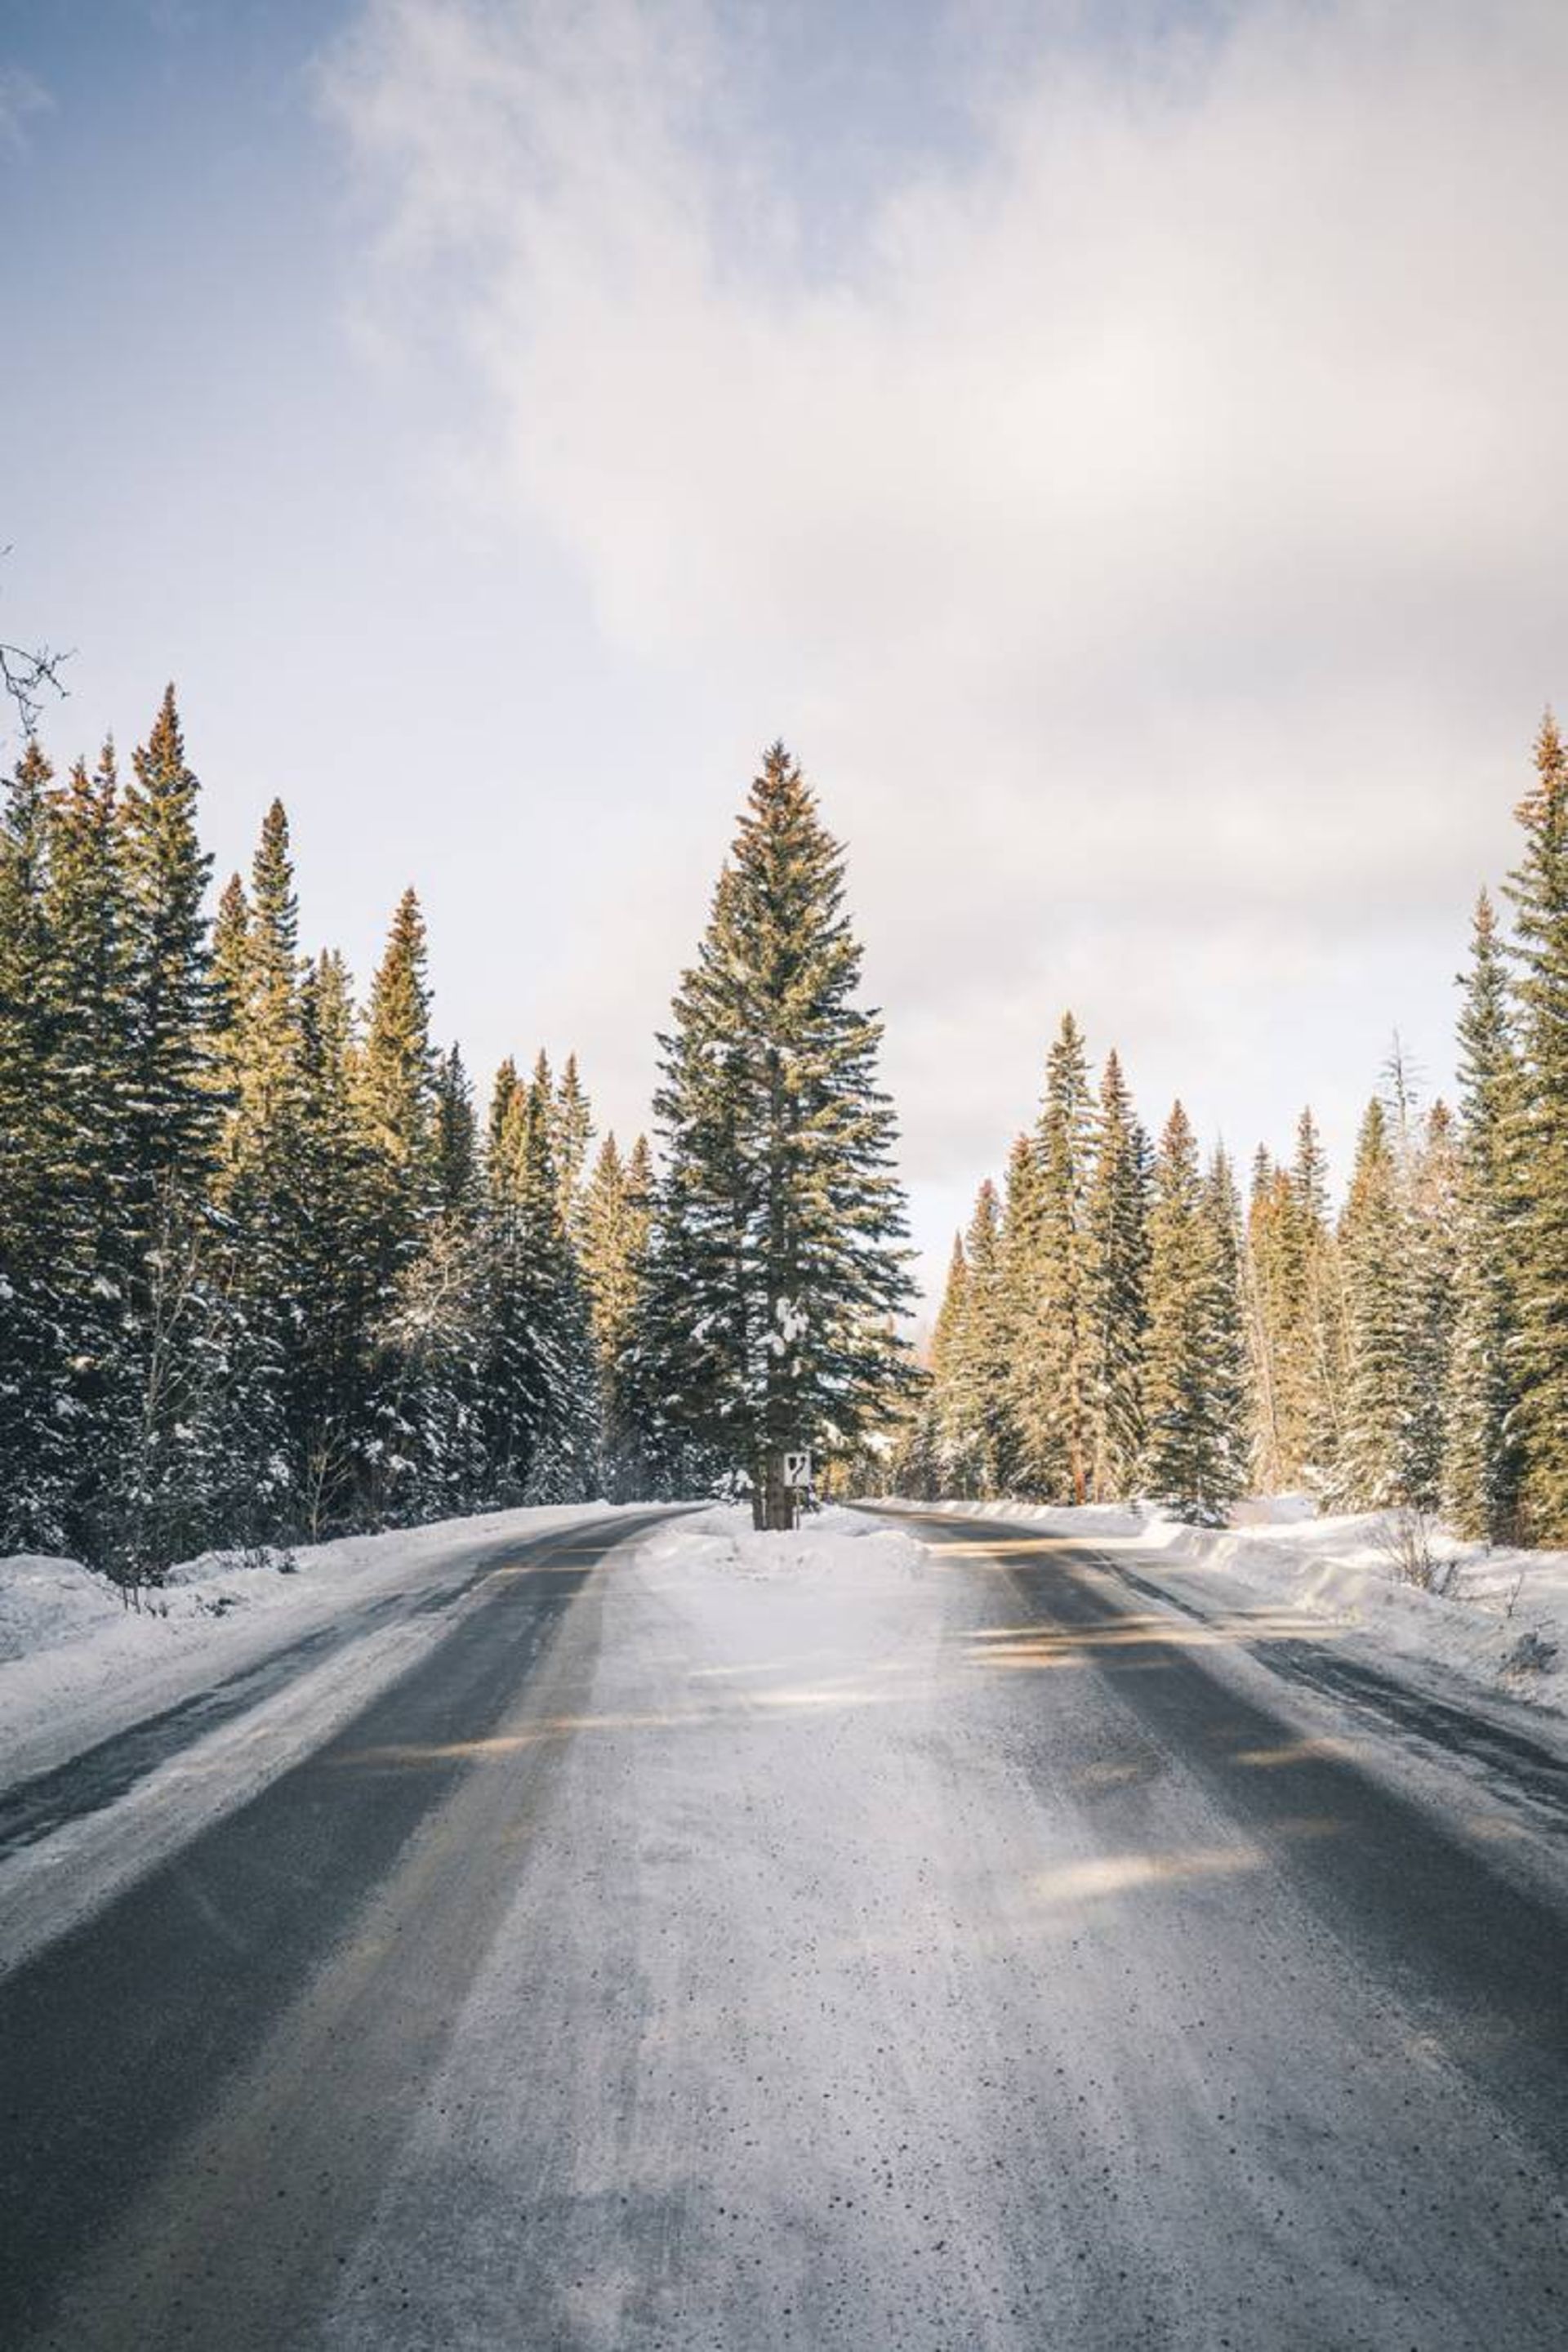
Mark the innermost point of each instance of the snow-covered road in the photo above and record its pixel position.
(899, 1934)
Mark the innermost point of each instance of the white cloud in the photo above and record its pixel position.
(22, 96)
(1149, 527)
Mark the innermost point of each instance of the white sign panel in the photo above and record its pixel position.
(797, 1470)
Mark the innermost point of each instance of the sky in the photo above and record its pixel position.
(1119, 447)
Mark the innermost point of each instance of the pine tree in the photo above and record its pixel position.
(572, 1133)
(914, 1468)
(1323, 1313)
(271, 1077)
(542, 1429)
(780, 1198)
(945, 1443)
(679, 1455)
(1020, 1215)
(88, 924)
(32, 1442)
(1117, 1287)
(1228, 1414)
(1276, 1367)
(1195, 1368)
(436, 1320)
(456, 1140)
(27, 1007)
(615, 1220)
(395, 1088)
(503, 1094)
(1432, 1223)
(336, 1281)
(1370, 1473)
(174, 1117)
(396, 1076)
(174, 1104)
(1539, 890)
(977, 1423)
(230, 997)
(673, 1454)
(1051, 1282)
(1481, 1471)
(257, 987)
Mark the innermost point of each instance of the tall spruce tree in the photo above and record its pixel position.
(1228, 1397)
(784, 1211)
(1275, 1369)
(395, 1087)
(337, 1280)
(617, 1207)
(1371, 1470)
(1020, 1213)
(1432, 1225)
(1053, 1357)
(229, 1002)
(89, 922)
(257, 977)
(1324, 1309)
(1539, 890)
(1481, 1469)
(1193, 1376)
(1117, 1284)
(542, 1394)
(173, 1106)
(572, 1132)
(946, 1442)
(978, 1438)
(32, 1442)
(437, 1311)
(176, 1338)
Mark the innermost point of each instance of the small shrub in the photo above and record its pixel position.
(1405, 1541)
(1530, 1655)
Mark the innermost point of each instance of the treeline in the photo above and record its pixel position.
(267, 1273)
(264, 1272)
(1115, 1323)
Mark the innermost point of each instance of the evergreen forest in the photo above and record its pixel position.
(1128, 1317)
(271, 1269)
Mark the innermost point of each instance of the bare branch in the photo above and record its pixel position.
(27, 675)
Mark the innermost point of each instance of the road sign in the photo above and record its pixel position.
(797, 1471)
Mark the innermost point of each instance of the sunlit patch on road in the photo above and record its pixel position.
(1100, 1876)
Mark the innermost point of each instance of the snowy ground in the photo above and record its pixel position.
(77, 1664)
(876, 1936)
(275, 1650)
(867, 1985)
(1500, 1623)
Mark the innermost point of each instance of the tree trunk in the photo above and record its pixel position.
(772, 1503)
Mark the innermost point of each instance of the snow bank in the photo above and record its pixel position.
(46, 1602)
(1501, 1619)
(790, 1602)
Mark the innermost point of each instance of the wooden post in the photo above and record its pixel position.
(778, 1498)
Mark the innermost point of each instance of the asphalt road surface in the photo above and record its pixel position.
(944, 1955)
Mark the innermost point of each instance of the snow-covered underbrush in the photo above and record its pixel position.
(1497, 1616)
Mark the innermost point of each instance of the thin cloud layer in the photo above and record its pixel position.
(1147, 519)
